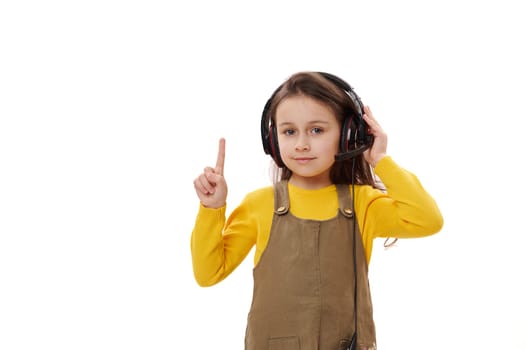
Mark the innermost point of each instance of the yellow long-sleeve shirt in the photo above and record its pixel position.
(406, 210)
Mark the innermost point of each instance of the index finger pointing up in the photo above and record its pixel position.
(220, 163)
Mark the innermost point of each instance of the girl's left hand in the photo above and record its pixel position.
(378, 150)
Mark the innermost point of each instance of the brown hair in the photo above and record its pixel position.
(319, 88)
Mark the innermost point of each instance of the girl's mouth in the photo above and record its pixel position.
(303, 160)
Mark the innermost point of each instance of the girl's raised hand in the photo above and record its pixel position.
(211, 186)
(379, 148)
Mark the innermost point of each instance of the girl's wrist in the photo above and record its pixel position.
(377, 160)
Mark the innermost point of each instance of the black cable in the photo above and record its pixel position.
(352, 344)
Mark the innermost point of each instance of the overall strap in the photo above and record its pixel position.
(281, 198)
(345, 200)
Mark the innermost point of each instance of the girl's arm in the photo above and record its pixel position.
(218, 246)
(407, 210)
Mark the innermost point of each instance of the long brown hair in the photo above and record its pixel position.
(317, 87)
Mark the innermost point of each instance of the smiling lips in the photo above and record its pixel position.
(303, 160)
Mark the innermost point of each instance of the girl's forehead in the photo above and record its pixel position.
(303, 107)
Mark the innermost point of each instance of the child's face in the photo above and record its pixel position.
(308, 137)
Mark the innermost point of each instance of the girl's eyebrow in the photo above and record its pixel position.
(310, 122)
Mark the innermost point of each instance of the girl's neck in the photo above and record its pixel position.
(309, 183)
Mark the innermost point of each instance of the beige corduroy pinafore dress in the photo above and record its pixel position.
(304, 283)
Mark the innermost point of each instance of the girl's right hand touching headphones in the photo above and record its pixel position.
(211, 186)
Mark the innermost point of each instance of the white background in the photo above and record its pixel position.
(109, 110)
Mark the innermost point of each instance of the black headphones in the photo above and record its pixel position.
(354, 137)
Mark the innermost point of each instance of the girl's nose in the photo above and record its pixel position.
(302, 145)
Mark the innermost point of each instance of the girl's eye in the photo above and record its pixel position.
(317, 130)
(288, 132)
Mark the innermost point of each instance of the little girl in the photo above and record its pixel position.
(335, 191)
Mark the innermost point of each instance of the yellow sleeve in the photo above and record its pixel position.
(406, 210)
(219, 245)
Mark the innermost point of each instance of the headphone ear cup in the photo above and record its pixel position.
(354, 134)
(269, 136)
(274, 146)
(265, 129)
(363, 138)
(267, 140)
(348, 135)
(345, 137)
(361, 131)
